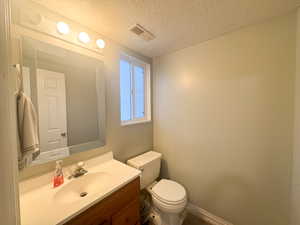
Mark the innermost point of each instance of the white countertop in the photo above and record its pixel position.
(37, 202)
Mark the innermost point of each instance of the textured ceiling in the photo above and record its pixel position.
(175, 23)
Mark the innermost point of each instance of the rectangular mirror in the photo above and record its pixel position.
(68, 92)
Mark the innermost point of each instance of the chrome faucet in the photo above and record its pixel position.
(78, 171)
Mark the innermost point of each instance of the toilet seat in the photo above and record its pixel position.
(169, 192)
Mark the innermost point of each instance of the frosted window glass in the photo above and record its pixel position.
(125, 90)
(139, 88)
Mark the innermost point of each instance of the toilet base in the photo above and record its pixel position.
(172, 219)
(157, 217)
(154, 218)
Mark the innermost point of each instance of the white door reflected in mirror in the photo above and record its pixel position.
(52, 110)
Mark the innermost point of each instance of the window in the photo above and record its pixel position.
(135, 91)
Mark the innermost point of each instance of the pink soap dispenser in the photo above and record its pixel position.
(58, 178)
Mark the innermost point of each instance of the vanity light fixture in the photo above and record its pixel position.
(63, 28)
(100, 43)
(84, 37)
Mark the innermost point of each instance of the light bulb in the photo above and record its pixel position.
(63, 28)
(84, 37)
(100, 43)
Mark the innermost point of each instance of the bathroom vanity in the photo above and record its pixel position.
(120, 208)
(112, 196)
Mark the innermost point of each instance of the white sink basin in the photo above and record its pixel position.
(83, 187)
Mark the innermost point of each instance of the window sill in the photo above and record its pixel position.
(128, 123)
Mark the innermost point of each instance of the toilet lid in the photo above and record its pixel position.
(169, 191)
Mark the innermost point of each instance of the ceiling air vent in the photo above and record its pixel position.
(142, 32)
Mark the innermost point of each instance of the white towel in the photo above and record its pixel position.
(28, 131)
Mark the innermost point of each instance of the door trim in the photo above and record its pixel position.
(9, 207)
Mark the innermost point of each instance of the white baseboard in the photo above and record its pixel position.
(205, 215)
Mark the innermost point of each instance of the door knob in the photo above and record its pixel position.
(63, 134)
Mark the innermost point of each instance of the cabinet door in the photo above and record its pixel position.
(91, 220)
(130, 215)
(105, 222)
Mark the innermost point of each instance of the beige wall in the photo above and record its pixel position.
(126, 141)
(295, 200)
(223, 120)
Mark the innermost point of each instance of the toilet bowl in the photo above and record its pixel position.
(169, 198)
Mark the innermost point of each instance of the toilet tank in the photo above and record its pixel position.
(149, 164)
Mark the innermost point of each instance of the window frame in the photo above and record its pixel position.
(147, 90)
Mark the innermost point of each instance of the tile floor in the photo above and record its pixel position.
(190, 220)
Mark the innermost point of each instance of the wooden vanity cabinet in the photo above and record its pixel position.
(120, 208)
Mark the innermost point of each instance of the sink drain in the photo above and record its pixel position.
(83, 194)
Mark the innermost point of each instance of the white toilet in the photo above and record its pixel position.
(168, 197)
